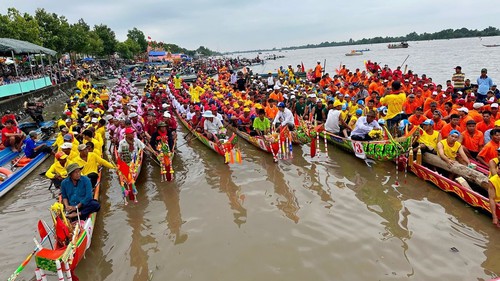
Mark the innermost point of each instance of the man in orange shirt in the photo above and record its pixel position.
(489, 151)
(417, 118)
(425, 91)
(494, 111)
(410, 105)
(276, 94)
(429, 100)
(271, 109)
(463, 112)
(453, 125)
(474, 113)
(374, 85)
(438, 122)
(318, 72)
(472, 139)
(430, 112)
(486, 123)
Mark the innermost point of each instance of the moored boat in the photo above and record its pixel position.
(354, 53)
(128, 172)
(401, 45)
(491, 45)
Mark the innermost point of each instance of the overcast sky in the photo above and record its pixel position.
(229, 25)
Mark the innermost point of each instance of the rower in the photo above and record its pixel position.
(364, 126)
(212, 126)
(284, 117)
(90, 162)
(57, 171)
(428, 140)
(334, 122)
(449, 148)
(318, 112)
(472, 139)
(489, 150)
(130, 146)
(77, 196)
(261, 124)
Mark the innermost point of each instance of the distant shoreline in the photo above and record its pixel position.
(440, 35)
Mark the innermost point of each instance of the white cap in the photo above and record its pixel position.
(166, 114)
(311, 96)
(494, 105)
(164, 105)
(477, 105)
(463, 109)
(292, 96)
(94, 120)
(434, 93)
(133, 114)
(69, 120)
(66, 145)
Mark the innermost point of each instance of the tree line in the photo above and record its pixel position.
(55, 32)
(413, 36)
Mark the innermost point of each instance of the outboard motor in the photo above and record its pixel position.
(35, 110)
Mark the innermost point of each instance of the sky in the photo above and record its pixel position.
(232, 25)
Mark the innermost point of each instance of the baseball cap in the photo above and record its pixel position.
(61, 155)
(463, 109)
(428, 122)
(129, 130)
(455, 132)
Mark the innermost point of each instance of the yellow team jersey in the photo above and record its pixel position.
(495, 180)
(429, 140)
(450, 151)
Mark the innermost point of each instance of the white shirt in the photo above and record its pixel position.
(332, 121)
(284, 117)
(270, 80)
(362, 127)
(212, 127)
(189, 115)
(138, 145)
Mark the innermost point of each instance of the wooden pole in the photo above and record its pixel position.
(467, 173)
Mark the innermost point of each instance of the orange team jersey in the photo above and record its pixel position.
(419, 100)
(429, 113)
(427, 103)
(277, 97)
(416, 120)
(438, 126)
(483, 127)
(271, 112)
(474, 142)
(426, 94)
(343, 90)
(445, 131)
(317, 71)
(489, 151)
(373, 87)
(463, 123)
(476, 116)
(409, 107)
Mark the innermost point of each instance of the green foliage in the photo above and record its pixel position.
(55, 32)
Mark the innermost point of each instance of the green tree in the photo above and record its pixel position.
(22, 27)
(138, 36)
(79, 37)
(108, 38)
(54, 30)
(94, 45)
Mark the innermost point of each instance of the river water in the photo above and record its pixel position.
(327, 218)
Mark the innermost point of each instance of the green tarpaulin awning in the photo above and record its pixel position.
(8, 45)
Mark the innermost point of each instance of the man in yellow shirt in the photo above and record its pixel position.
(57, 171)
(494, 196)
(428, 139)
(90, 163)
(450, 148)
(394, 102)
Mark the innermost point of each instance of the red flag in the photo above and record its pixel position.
(149, 37)
(62, 231)
(296, 120)
(41, 229)
(303, 68)
(123, 167)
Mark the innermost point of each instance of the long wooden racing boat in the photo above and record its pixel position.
(380, 150)
(266, 144)
(223, 148)
(71, 243)
(165, 158)
(471, 196)
(128, 174)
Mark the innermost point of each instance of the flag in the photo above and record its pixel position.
(149, 37)
(313, 148)
(123, 167)
(303, 68)
(41, 229)
(62, 231)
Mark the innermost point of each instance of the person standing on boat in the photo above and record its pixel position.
(284, 117)
(364, 126)
(458, 79)
(76, 193)
(318, 72)
(450, 148)
(394, 102)
(484, 84)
